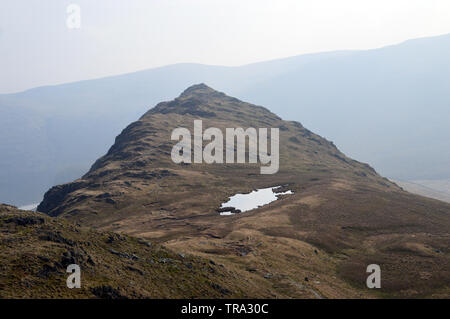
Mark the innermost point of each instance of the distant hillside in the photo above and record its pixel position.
(387, 107)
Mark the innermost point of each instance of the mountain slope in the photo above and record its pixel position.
(36, 250)
(387, 107)
(316, 242)
(142, 153)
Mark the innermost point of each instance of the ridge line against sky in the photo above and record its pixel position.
(215, 65)
(118, 37)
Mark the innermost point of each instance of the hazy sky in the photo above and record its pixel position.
(120, 36)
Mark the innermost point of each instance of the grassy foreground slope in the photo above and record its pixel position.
(35, 251)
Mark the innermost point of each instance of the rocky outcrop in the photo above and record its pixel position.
(55, 196)
(232, 210)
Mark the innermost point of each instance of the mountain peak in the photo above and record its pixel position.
(198, 89)
(199, 100)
